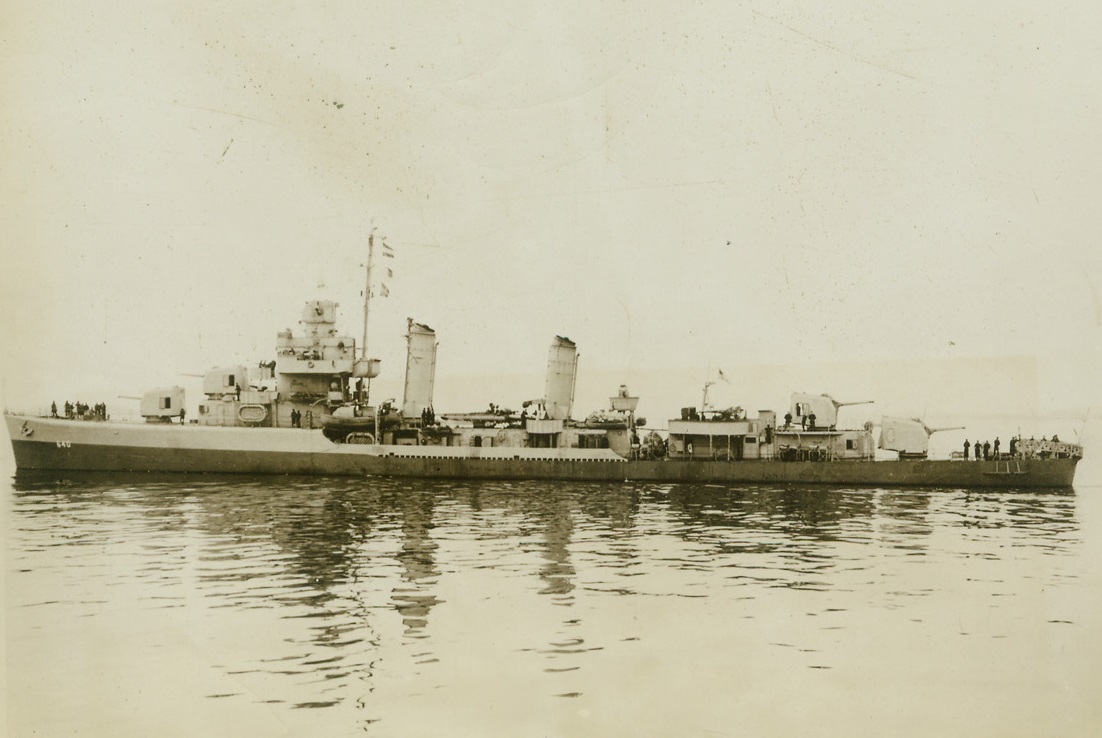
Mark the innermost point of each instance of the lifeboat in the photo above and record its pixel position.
(607, 420)
(348, 420)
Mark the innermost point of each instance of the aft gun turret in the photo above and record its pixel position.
(817, 411)
(910, 437)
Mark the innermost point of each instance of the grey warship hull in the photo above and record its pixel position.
(73, 445)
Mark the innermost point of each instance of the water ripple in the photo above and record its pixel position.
(365, 597)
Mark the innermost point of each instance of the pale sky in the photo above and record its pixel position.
(676, 186)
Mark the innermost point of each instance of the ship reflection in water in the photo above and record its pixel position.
(216, 606)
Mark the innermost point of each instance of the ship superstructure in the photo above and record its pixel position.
(312, 371)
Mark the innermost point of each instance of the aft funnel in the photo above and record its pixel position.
(420, 369)
(562, 367)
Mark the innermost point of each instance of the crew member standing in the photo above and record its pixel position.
(967, 446)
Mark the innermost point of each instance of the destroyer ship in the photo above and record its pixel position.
(309, 412)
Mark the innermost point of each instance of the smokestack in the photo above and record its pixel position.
(562, 367)
(420, 368)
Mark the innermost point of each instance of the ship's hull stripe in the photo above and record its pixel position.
(31, 454)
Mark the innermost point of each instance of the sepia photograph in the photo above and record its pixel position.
(551, 370)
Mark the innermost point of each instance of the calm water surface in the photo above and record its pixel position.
(210, 606)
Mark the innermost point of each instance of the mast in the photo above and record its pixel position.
(365, 367)
(704, 399)
(367, 289)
